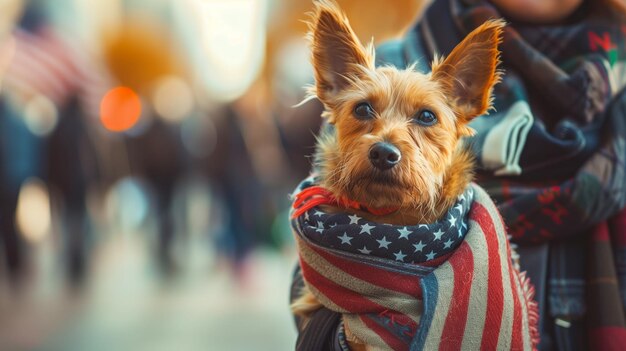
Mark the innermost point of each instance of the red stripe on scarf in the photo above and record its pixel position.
(517, 342)
(495, 299)
(404, 283)
(462, 263)
(390, 339)
(516, 337)
(342, 297)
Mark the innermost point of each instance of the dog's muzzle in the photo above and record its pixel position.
(384, 156)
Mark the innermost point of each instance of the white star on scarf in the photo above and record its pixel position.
(332, 225)
(424, 226)
(452, 221)
(447, 244)
(419, 246)
(399, 256)
(306, 216)
(366, 228)
(459, 207)
(404, 233)
(383, 243)
(365, 251)
(354, 219)
(345, 238)
(320, 227)
(431, 255)
(438, 234)
(319, 213)
(460, 233)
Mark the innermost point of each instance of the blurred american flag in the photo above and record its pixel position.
(45, 63)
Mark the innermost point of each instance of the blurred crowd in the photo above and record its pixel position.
(170, 118)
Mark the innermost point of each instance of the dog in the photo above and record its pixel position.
(393, 154)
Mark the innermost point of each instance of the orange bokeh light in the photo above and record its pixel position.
(120, 109)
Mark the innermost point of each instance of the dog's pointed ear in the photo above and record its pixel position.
(470, 71)
(338, 56)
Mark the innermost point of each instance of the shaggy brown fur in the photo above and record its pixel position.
(434, 168)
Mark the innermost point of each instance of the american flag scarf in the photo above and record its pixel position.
(470, 298)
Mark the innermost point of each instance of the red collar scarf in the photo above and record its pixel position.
(316, 195)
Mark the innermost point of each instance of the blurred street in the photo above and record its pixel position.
(127, 305)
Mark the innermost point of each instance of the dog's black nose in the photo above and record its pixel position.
(384, 156)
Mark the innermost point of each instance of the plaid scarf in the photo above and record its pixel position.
(471, 297)
(553, 157)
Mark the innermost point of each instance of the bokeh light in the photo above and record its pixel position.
(33, 210)
(172, 99)
(41, 115)
(120, 109)
(233, 35)
(127, 204)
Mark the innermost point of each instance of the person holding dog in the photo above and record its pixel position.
(551, 154)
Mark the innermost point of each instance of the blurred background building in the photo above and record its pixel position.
(147, 150)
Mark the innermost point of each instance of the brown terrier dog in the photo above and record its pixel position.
(398, 132)
(396, 142)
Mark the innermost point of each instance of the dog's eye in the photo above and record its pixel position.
(426, 118)
(363, 110)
